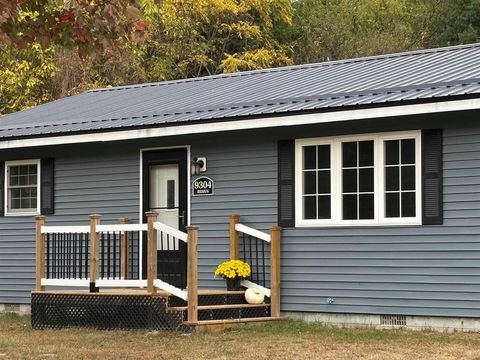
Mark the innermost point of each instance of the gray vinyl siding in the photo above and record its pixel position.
(245, 173)
(415, 270)
(84, 184)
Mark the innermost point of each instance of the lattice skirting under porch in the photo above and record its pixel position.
(100, 311)
(212, 299)
(240, 313)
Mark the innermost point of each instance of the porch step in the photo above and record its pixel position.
(202, 292)
(220, 325)
(212, 297)
(235, 321)
(226, 311)
(219, 307)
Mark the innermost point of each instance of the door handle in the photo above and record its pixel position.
(182, 217)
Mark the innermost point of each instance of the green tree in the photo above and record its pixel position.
(24, 75)
(74, 74)
(205, 37)
(456, 22)
(33, 75)
(54, 48)
(185, 38)
(338, 29)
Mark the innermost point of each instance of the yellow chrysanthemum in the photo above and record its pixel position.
(233, 269)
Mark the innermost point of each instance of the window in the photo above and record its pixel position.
(359, 180)
(399, 178)
(22, 187)
(316, 182)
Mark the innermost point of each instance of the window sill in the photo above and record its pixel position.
(359, 225)
(22, 214)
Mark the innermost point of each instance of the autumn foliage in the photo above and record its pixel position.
(90, 26)
(55, 48)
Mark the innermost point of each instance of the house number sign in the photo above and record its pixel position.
(202, 186)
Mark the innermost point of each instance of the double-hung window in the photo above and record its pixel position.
(359, 180)
(22, 187)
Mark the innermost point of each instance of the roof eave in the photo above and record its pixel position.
(258, 122)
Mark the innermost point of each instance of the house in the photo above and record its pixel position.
(371, 167)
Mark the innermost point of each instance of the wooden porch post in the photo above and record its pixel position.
(94, 221)
(234, 251)
(151, 252)
(192, 273)
(40, 252)
(124, 250)
(275, 271)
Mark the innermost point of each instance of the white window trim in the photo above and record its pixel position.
(6, 197)
(299, 183)
(417, 220)
(336, 183)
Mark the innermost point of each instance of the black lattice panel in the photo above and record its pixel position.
(221, 299)
(102, 312)
(211, 299)
(240, 313)
(174, 301)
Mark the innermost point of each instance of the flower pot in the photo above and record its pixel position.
(233, 284)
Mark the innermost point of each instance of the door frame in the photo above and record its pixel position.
(141, 214)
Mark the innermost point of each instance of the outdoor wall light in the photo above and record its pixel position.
(199, 165)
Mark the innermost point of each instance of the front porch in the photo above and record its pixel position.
(103, 265)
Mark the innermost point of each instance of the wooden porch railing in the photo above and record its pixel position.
(248, 244)
(99, 255)
(93, 261)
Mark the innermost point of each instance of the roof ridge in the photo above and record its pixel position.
(333, 96)
(291, 67)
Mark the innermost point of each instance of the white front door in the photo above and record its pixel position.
(164, 200)
(165, 191)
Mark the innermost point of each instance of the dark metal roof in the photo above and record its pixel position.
(434, 74)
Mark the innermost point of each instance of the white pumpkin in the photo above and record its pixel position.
(254, 296)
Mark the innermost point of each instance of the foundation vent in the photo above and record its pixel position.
(393, 320)
(11, 308)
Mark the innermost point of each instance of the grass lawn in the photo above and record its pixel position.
(286, 340)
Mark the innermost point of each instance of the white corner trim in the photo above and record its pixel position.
(262, 122)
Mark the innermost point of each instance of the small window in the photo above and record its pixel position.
(316, 182)
(22, 187)
(359, 180)
(400, 178)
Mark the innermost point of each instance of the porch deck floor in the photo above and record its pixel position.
(129, 291)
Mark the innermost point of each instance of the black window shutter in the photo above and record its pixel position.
(47, 187)
(2, 188)
(286, 183)
(432, 174)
